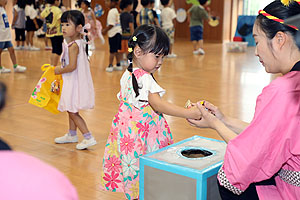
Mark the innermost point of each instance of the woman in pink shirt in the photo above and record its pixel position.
(268, 148)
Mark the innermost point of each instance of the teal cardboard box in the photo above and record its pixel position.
(186, 170)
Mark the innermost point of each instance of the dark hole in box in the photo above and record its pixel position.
(195, 153)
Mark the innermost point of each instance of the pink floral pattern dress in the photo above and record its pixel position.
(136, 130)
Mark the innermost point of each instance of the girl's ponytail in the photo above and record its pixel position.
(87, 42)
(131, 44)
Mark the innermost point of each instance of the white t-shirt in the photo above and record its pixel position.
(167, 15)
(30, 11)
(146, 84)
(5, 34)
(113, 18)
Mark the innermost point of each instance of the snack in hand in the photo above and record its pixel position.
(188, 104)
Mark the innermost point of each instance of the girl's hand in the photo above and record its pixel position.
(196, 112)
(57, 70)
(104, 31)
(208, 119)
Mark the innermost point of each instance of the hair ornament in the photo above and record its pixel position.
(130, 50)
(134, 38)
(85, 27)
(267, 15)
(287, 2)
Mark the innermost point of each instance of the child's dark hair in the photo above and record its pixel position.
(202, 2)
(164, 2)
(135, 4)
(50, 1)
(87, 3)
(30, 2)
(77, 18)
(125, 3)
(21, 3)
(151, 1)
(151, 39)
(277, 9)
(78, 3)
(145, 2)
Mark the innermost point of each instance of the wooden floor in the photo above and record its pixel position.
(231, 81)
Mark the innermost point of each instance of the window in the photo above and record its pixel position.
(251, 7)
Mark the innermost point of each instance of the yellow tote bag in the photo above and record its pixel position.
(46, 93)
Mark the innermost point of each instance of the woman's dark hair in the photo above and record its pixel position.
(21, 3)
(151, 39)
(145, 2)
(277, 9)
(87, 3)
(2, 95)
(125, 3)
(77, 18)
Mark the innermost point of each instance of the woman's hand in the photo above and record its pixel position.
(209, 119)
(214, 110)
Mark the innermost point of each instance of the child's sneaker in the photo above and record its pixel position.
(4, 70)
(118, 68)
(20, 69)
(48, 48)
(196, 52)
(86, 143)
(109, 68)
(18, 47)
(66, 139)
(172, 55)
(33, 48)
(201, 51)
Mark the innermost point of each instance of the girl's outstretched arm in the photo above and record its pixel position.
(73, 54)
(161, 106)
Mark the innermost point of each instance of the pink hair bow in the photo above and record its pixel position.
(86, 26)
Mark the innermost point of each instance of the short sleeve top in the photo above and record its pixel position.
(113, 18)
(30, 12)
(146, 84)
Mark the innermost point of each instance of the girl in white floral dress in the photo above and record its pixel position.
(139, 126)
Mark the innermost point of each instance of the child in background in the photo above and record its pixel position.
(134, 13)
(196, 15)
(151, 6)
(31, 24)
(114, 31)
(91, 19)
(5, 41)
(139, 127)
(18, 23)
(127, 27)
(78, 90)
(168, 19)
(52, 15)
(145, 16)
(46, 39)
